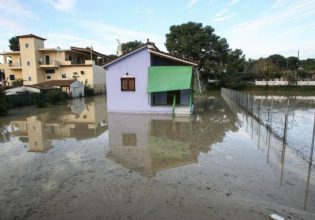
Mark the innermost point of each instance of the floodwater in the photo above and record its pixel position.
(77, 161)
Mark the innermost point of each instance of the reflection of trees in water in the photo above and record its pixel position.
(208, 127)
(4, 133)
(213, 119)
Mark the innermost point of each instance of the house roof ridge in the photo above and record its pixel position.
(30, 35)
(151, 48)
(177, 57)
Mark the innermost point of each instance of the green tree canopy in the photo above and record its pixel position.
(278, 60)
(14, 44)
(197, 42)
(129, 46)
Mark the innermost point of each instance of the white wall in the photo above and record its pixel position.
(283, 83)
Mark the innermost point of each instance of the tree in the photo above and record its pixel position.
(197, 42)
(14, 43)
(131, 45)
(3, 106)
(278, 60)
(17, 83)
(292, 63)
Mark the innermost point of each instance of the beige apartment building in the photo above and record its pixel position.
(36, 64)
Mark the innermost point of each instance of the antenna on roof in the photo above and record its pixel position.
(119, 50)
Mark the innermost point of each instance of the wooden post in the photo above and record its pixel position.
(284, 142)
(310, 163)
(270, 124)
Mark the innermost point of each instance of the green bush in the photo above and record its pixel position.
(17, 83)
(40, 100)
(56, 97)
(4, 107)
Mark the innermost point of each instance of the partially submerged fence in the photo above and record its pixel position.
(276, 121)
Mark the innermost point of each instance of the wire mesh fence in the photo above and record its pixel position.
(287, 118)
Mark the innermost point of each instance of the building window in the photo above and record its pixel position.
(12, 77)
(129, 140)
(63, 75)
(48, 77)
(26, 45)
(29, 78)
(128, 84)
(165, 98)
(75, 77)
(49, 71)
(28, 63)
(75, 73)
(82, 72)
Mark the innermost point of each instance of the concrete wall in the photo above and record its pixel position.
(99, 79)
(135, 65)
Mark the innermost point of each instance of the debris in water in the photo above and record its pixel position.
(276, 217)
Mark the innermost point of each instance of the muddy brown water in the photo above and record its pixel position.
(77, 161)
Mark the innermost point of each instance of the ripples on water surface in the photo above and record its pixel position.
(77, 161)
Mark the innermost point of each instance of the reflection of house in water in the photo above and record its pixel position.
(151, 143)
(148, 143)
(85, 120)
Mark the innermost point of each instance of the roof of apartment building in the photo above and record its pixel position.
(155, 51)
(30, 35)
(61, 83)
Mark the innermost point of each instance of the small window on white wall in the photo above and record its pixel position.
(26, 45)
(64, 75)
(28, 63)
(29, 78)
(48, 77)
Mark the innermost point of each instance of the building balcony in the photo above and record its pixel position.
(48, 64)
(15, 66)
(81, 62)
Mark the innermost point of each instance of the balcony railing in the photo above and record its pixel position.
(15, 65)
(50, 63)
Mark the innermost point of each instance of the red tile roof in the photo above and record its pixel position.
(62, 83)
(152, 49)
(30, 35)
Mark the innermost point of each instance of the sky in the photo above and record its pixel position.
(258, 27)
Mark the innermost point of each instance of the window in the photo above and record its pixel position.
(48, 77)
(26, 45)
(49, 71)
(75, 77)
(63, 75)
(128, 84)
(165, 98)
(82, 72)
(12, 77)
(75, 73)
(28, 63)
(29, 78)
(129, 139)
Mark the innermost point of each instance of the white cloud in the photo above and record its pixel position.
(233, 2)
(284, 28)
(101, 36)
(16, 8)
(222, 15)
(223, 18)
(191, 3)
(141, 10)
(63, 5)
(292, 12)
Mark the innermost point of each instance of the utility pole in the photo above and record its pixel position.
(297, 68)
(91, 54)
